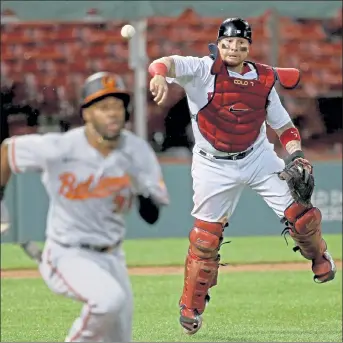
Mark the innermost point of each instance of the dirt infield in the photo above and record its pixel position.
(23, 274)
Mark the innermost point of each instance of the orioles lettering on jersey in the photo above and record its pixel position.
(106, 186)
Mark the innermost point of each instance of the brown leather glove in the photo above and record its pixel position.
(299, 178)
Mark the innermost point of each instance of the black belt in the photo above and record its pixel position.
(96, 248)
(231, 157)
(99, 248)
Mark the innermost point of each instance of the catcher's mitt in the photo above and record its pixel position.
(298, 175)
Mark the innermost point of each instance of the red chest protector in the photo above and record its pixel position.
(236, 110)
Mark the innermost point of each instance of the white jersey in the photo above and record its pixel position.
(194, 75)
(88, 193)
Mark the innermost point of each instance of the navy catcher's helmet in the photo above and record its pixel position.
(235, 27)
(101, 85)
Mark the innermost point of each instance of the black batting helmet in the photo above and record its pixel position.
(101, 85)
(235, 27)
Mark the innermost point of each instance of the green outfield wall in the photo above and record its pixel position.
(28, 203)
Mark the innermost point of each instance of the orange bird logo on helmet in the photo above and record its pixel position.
(108, 82)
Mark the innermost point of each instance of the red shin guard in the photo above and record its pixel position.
(202, 264)
(305, 229)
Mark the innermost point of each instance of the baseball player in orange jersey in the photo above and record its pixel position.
(91, 174)
(231, 99)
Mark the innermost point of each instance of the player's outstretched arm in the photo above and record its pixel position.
(159, 70)
(179, 69)
(164, 66)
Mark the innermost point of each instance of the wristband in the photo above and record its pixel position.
(291, 134)
(296, 154)
(158, 69)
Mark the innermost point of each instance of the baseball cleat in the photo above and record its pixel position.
(190, 320)
(320, 269)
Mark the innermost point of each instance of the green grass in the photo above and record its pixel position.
(164, 252)
(245, 307)
(254, 306)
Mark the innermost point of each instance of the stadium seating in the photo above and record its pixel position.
(58, 56)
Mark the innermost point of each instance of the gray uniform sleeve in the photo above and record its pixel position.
(32, 152)
(146, 175)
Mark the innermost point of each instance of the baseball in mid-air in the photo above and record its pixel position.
(128, 31)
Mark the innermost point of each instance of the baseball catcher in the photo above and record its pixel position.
(231, 99)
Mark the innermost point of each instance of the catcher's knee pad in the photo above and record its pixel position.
(205, 238)
(304, 225)
(303, 219)
(202, 264)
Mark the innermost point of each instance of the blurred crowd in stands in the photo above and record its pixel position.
(43, 66)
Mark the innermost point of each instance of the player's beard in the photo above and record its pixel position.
(242, 49)
(105, 136)
(231, 64)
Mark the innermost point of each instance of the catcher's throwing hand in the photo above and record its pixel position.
(159, 89)
(298, 175)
